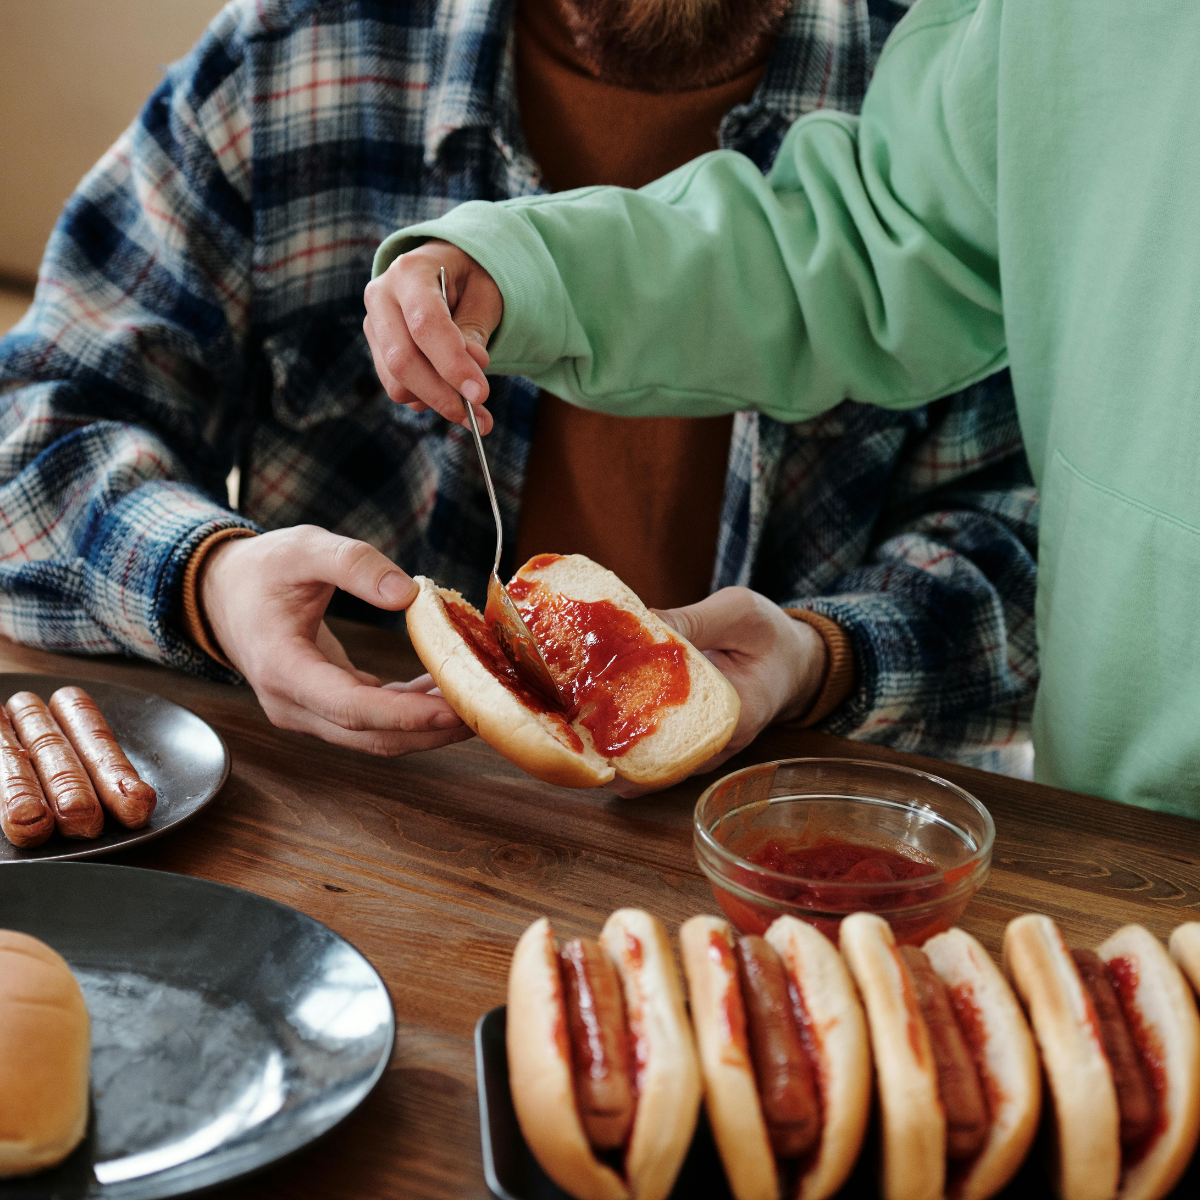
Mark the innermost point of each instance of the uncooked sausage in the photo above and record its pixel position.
(125, 795)
(25, 815)
(77, 811)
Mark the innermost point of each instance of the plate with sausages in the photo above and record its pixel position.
(89, 770)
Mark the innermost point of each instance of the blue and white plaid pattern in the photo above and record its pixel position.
(200, 306)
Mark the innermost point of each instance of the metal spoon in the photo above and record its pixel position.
(500, 613)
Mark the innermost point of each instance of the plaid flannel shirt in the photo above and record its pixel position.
(200, 306)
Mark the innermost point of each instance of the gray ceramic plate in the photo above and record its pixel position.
(179, 755)
(227, 1030)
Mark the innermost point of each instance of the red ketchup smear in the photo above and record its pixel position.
(613, 676)
(1124, 975)
(475, 632)
(810, 1039)
(639, 1042)
(837, 862)
(733, 1009)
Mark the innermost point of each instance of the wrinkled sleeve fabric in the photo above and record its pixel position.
(118, 390)
(939, 609)
(863, 266)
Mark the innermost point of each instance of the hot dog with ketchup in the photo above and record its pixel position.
(124, 794)
(955, 1064)
(1120, 1040)
(784, 1052)
(601, 1059)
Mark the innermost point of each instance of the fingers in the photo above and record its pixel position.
(334, 695)
(381, 742)
(422, 353)
(333, 650)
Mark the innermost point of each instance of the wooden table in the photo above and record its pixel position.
(433, 865)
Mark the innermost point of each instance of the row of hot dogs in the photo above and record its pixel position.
(62, 768)
(788, 1036)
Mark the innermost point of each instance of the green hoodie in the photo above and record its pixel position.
(1022, 189)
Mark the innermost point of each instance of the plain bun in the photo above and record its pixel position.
(543, 743)
(45, 1048)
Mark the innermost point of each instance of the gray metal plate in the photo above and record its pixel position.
(227, 1030)
(182, 757)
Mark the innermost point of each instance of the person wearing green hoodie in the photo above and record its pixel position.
(1020, 189)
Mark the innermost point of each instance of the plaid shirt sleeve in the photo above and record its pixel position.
(940, 609)
(117, 391)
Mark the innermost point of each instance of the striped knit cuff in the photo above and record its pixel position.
(839, 675)
(194, 624)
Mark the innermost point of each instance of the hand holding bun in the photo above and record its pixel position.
(45, 1049)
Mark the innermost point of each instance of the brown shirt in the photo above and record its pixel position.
(640, 495)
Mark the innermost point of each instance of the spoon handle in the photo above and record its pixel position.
(487, 475)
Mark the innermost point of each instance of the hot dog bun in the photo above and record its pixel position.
(1004, 1054)
(540, 1070)
(45, 1048)
(541, 742)
(1170, 1031)
(838, 1039)
(913, 1122)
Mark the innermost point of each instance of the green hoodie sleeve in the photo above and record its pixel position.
(863, 266)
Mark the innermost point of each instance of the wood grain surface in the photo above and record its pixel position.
(433, 865)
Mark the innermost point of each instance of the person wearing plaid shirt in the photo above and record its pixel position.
(200, 307)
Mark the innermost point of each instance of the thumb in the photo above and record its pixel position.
(355, 567)
(477, 314)
(708, 623)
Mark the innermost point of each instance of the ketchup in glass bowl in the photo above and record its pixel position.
(820, 838)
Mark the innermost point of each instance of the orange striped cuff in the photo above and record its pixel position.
(839, 675)
(194, 624)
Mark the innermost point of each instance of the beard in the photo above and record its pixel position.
(673, 45)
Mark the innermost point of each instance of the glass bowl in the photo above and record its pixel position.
(805, 809)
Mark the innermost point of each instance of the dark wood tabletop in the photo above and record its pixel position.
(433, 865)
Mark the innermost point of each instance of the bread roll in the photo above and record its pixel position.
(45, 1047)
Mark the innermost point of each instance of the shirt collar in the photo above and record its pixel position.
(820, 60)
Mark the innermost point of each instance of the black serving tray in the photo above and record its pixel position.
(513, 1174)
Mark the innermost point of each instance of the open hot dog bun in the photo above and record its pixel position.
(541, 1073)
(913, 1124)
(45, 1048)
(1005, 1055)
(666, 730)
(838, 1044)
(1160, 1015)
(1170, 1032)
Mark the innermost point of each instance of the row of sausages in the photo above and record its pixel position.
(61, 767)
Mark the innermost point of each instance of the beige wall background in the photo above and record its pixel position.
(73, 74)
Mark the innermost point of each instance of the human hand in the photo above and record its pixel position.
(776, 664)
(265, 598)
(428, 355)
